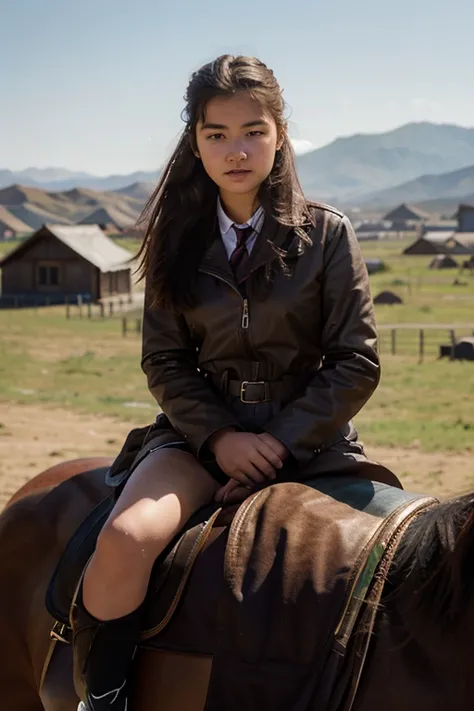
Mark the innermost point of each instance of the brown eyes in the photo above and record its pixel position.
(218, 136)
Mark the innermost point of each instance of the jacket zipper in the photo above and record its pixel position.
(245, 318)
(245, 315)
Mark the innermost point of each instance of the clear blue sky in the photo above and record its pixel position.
(97, 85)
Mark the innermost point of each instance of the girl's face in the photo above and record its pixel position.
(237, 143)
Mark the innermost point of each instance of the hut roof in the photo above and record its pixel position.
(466, 239)
(405, 212)
(88, 241)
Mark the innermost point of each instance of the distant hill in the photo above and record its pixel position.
(45, 179)
(346, 168)
(34, 206)
(139, 191)
(457, 185)
(354, 166)
(35, 217)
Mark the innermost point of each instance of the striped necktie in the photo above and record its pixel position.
(240, 256)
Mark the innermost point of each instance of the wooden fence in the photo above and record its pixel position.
(404, 339)
(101, 309)
(420, 341)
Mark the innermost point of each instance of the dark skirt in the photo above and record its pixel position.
(342, 455)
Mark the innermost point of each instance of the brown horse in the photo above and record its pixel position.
(420, 658)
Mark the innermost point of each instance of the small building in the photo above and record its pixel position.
(465, 218)
(450, 242)
(59, 262)
(443, 261)
(387, 297)
(405, 217)
(10, 226)
(437, 226)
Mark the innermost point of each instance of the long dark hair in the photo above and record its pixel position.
(180, 215)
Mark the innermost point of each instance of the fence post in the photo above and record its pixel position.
(89, 310)
(394, 341)
(120, 304)
(124, 326)
(452, 336)
(102, 309)
(422, 346)
(111, 308)
(79, 304)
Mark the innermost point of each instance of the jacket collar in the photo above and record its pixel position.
(272, 235)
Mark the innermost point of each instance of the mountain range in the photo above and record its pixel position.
(430, 165)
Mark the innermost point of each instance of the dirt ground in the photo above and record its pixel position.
(34, 438)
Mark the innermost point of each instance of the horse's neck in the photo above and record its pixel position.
(410, 670)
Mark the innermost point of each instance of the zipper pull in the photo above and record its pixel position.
(245, 314)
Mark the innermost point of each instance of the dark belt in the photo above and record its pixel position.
(257, 391)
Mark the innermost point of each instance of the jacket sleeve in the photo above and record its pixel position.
(350, 370)
(170, 363)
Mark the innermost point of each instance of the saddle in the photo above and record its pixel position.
(167, 582)
(304, 573)
(293, 607)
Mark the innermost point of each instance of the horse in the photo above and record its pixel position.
(420, 654)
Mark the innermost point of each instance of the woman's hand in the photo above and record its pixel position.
(245, 457)
(277, 446)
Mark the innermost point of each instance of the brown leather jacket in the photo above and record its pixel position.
(315, 326)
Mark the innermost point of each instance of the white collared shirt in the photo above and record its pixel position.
(226, 227)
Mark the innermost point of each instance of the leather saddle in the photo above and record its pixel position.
(300, 577)
(167, 581)
(304, 571)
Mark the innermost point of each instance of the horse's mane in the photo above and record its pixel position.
(433, 571)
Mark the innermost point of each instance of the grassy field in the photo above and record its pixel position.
(429, 296)
(88, 367)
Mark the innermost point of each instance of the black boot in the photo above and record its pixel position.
(103, 654)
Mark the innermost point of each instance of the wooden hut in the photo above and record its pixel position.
(439, 243)
(59, 262)
(465, 218)
(405, 217)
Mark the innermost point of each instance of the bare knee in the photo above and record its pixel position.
(125, 545)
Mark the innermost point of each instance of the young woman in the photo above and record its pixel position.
(259, 345)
